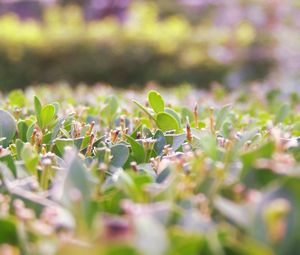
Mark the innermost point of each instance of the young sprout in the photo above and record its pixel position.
(167, 150)
(33, 136)
(138, 135)
(136, 121)
(133, 166)
(89, 132)
(90, 146)
(124, 129)
(46, 169)
(148, 144)
(36, 138)
(211, 120)
(76, 129)
(114, 135)
(188, 131)
(17, 112)
(43, 150)
(107, 156)
(155, 163)
(196, 115)
(122, 122)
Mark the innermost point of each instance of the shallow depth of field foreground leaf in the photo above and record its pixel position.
(139, 173)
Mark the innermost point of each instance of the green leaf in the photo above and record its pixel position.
(185, 242)
(282, 113)
(167, 122)
(56, 106)
(38, 109)
(174, 114)
(19, 147)
(7, 127)
(209, 146)
(221, 116)
(62, 143)
(30, 132)
(144, 109)
(77, 179)
(160, 142)
(146, 132)
(47, 115)
(22, 130)
(17, 98)
(125, 183)
(137, 149)
(176, 140)
(10, 163)
(156, 101)
(120, 153)
(118, 249)
(8, 233)
(264, 151)
(56, 129)
(30, 157)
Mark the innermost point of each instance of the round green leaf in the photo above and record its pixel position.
(7, 127)
(167, 122)
(174, 114)
(156, 101)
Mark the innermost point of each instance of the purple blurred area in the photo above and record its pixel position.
(97, 9)
(93, 9)
(24, 9)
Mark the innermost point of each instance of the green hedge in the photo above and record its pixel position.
(169, 51)
(94, 63)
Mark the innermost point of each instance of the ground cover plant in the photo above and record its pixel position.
(107, 172)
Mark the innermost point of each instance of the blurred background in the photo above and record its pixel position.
(129, 43)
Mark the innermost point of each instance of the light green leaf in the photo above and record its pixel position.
(22, 130)
(38, 109)
(167, 122)
(17, 98)
(47, 115)
(30, 157)
(156, 101)
(174, 114)
(144, 109)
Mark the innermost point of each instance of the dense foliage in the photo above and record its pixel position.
(100, 171)
(169, 49)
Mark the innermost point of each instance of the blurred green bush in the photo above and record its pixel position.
(144, 48)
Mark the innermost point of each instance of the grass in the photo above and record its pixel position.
(176, 171)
